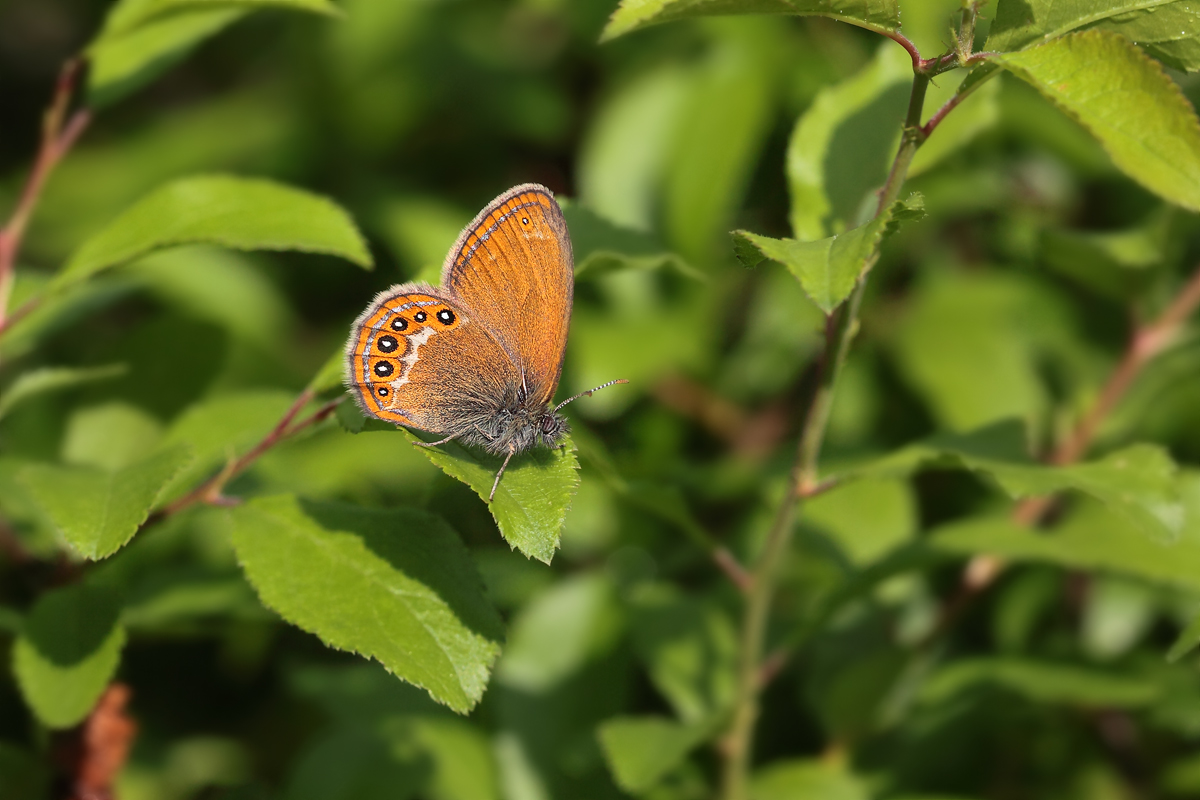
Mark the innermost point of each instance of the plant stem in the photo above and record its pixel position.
(58, 136)
(840, 328)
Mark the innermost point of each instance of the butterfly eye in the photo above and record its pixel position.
(387, 344)
(420, 316)
(384, 368)
(445, 316)
(399, 324)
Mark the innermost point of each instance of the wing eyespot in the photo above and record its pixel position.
(420, 316)
(399, 324)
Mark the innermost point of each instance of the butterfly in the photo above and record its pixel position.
(477, 359)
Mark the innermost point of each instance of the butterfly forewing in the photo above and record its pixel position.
(418, 358)
(512, 271)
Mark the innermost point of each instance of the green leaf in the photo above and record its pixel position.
(1168, 29)
(867, 518)
(689, 647)
(397, 586)
(1092, 538)
(67, 652)
(841, 146)
(1117, 264)
(1139, 483)
(1042, 682)
(601, 246)
(97, 510)
(534, 494)
(52, 379)
(1185, 642)
(240, 213)
(878, 15)
(1125, 100)
(640, 751)
(828, 269)
(142, 38)
(806, 780)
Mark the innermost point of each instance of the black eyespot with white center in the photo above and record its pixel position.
(384, 368)
(445, 316)
(420, 316)
(399, 324)
(382, 391)
(524, 220)
(387, 344)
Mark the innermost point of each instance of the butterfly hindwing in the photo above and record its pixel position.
(418, 358)
(512, 271)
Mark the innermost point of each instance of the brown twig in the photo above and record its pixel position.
(59, 134)
(1145, 344)
(92, 754)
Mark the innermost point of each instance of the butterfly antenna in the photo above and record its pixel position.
(588, 393)
(504, 466)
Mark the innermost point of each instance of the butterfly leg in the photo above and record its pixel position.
(419, 443)
(511, 451)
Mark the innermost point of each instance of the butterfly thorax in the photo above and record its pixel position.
(516, 425)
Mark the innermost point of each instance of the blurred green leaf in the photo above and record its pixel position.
(397, 586)
(67, 652)
(1118, 264)
(1185, 642)
(641, 750)
(98, 511)
(880, 15)
(601, 246)
(170, 599)
(1140, 483)
(557, 633)
(626, 149)
(53, 379)
(1092, 538)
(142, 38)
(806, 780)
(828, 269)
(239, 213)
(841, 147)
(23, 775)
(1125, 100)
(689, 647)
(110, 436)
(352, 763)
(867, 518)
(1169, 30)
(535, 491)
(1042, 681)
(719, 137)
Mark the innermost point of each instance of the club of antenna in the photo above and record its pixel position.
(588, 393)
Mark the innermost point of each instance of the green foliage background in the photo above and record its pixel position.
(198, 257)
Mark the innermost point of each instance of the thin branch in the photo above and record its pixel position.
(804, 480)
(59, 134)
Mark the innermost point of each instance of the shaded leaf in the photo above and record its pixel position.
(601, 246)
(1117, 264)
(52, 379)
(240, 213)
(142, 38)
(67, 652)
(1125, 100)
(1043, 682)
(534, 494)
(98, 511)
(1187, 640)
(880, 15)
(397, 586)
(1168, 29)
(640, 751)
(829, 268)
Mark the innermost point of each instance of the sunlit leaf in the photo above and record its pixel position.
(98, 511)
(1187, 640)
(806, 780)
(397, 586)
(829, 268)
(240, 213)
(1168, 29)
(68, 650)
(1125, 100)
(1042, 681)
(534, 494)
(881, 15)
